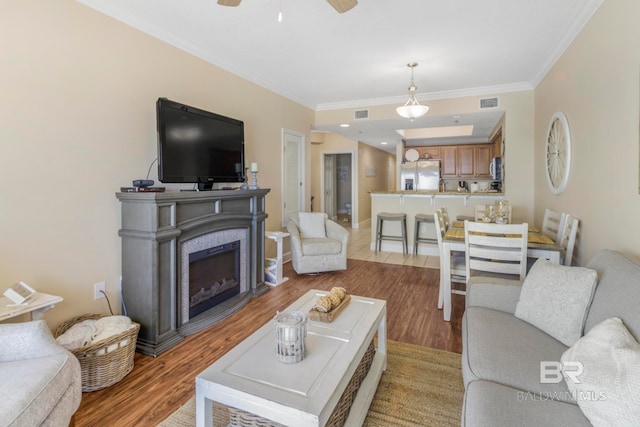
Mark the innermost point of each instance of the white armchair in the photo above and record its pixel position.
(317, 243)
(41, 381)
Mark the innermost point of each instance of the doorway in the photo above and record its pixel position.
(292, 174)
(338, 187)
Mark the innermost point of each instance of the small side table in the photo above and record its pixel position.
(35, 306)
(278, 236)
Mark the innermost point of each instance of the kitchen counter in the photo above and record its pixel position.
(424, 202)
(437, 193)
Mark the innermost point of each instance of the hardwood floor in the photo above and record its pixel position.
(158, 386)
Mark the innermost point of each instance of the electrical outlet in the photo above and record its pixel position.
(98, 290)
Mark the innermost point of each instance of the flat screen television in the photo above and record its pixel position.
(198, 146)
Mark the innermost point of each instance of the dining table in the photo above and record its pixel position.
(539, 246)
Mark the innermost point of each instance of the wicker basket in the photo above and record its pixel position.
(107, 361)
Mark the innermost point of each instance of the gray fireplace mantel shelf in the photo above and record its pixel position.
(155, 227)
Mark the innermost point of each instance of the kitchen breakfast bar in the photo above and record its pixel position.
(422, 202)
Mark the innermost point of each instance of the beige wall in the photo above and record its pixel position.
(595, 83)
(78, 122)
(384, 165)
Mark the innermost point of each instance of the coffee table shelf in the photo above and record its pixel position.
(251, 378)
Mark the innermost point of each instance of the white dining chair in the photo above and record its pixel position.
(567, 238)
(445, 217)
(458, 269)
(552, 224)
(496, 250)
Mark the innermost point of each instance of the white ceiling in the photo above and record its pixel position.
(326, 60)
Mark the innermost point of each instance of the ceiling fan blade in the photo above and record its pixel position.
(229, 2)
(343, 5)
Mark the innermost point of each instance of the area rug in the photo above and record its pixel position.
(421, 387)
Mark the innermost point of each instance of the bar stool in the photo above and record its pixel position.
(420, 218)
(389, 216)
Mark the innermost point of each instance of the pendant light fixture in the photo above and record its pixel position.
(412, 109)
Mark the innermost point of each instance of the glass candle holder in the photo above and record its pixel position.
(291, 335)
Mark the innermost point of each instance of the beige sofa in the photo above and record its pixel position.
(40, 380)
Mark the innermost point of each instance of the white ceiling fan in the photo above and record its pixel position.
(340, 5)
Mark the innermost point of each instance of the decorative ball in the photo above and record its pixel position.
(335, 299)
(323, 304)
(341, 292)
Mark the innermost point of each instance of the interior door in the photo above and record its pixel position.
(292, 174)
(330, 186)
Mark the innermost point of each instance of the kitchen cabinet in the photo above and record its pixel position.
(483, 160)
(430, 152)
(466, 161)
(449, 161)
(462, 161)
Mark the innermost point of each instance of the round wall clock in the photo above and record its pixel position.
(558, 153)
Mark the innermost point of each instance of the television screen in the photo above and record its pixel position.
(197, 146)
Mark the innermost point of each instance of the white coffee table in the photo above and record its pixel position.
(251, 378)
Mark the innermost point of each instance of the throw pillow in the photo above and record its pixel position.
(608, 388)
(311, 225)
(556, 298)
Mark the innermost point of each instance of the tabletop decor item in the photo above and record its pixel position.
(327, 307)
(291, 335)
(254, 177)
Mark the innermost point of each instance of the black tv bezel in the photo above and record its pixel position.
(203, 182)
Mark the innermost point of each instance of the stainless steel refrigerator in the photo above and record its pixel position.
(420, 175)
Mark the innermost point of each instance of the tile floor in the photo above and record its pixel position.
(359, 248)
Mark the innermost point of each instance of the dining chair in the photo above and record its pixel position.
(496, 250)
(445, 217)
(552, 224)
(458, 269)
(567, 238)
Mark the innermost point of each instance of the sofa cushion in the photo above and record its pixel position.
(27, 398)
(312, 225)
(608, 388)
(496, 346)
(324, 246)
(491, 404)
(618, 291)
(556, 298)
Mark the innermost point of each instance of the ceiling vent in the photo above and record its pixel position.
(361, 114)
(489, 103)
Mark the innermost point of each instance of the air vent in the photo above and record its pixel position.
(361, 114)
(489, 103)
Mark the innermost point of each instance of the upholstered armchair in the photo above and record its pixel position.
(317, 243)
(41, 382)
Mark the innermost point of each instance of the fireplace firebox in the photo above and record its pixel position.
(214, 276)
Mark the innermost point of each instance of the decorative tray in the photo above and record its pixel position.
(329, 315)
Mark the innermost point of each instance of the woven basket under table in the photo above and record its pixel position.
(107, 361)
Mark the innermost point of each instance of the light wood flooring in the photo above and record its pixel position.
(158, 386)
